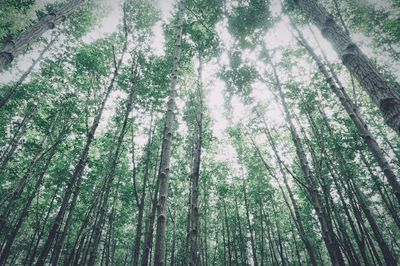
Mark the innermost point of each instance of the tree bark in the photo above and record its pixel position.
(148, 236)
(385, 96)
(17, 46)
(249, 225)
(11, 237)
(13, 89)
(387, 254)
(228, 235)
(159, 253)
(195, 176)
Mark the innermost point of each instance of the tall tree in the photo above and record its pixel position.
(195, 175)
(159, 252)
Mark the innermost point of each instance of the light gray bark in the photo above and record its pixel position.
(159, 254)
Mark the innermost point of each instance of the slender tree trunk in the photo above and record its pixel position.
(186, 259)
(380, 187)
(139, 223)
(159, 254)
(148, 236)
(82, 235)
(17, 46)
(195, 176)
(16, 194)
(387, 254)
(360, 244)
(216, 249)
(228, 235)
(279, 241)
(249, 225)
(242, 246)
(381, 92)
(274, 258)
(31, 254)
(262, 251)
(205, 231)
(24, 180)
(224, 242)
(319, 134)
(172, 261)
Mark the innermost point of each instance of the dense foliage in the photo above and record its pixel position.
(249, 132)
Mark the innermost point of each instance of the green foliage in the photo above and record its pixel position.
(83, 20)
(239, 80)
(94, 58)
(253, 193)
(248, 19)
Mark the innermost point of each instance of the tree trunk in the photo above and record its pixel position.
(159, 253)
(381, 92)
(242, 246)
(324, 159)
(387, 255)
(17, 46)
(24, 213)
(31, 254)
(81, 235)
(14, 143)
(228, 235)
(250, 227)
(380, 187)
(360, 244)
(172, 261)
(148, 236)
(24, 180)
(16, 194)
(274, 258)
(195, 176)
(13, 89)
(139, 223)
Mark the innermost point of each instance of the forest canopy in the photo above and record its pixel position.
(200, 132)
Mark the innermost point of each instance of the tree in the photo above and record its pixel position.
(163, 175)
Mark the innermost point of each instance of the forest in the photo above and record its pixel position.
(199, 132)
